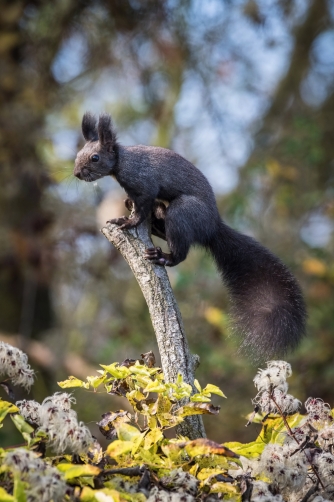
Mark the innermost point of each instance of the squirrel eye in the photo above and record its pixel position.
(95, 158)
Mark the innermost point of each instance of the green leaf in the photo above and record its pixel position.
(25, 429)
(119, 372)
(126, 432)
(141, 380)
(19, 491)
(218, 462)
(179, 391)
(213, 389)
(229, 490)
(139, 369)
(248, 450)
(199, 398)
(149, 458)
(173, 452)
(155, 386)
(274, 429)
(5, 408)
(5, 497)
(88, 495)
(132, 497)
(295, 420)
(38, 437)
(95, 381)
(72, 471)
(73, 382)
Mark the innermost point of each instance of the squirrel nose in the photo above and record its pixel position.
(78, 175)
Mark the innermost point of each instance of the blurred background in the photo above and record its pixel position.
(244, 89)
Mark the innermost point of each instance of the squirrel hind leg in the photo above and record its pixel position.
(177, 242)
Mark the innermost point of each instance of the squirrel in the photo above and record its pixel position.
(268, 309)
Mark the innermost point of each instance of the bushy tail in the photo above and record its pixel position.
(268, 309)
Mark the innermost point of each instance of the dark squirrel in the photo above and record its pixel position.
(268, 309)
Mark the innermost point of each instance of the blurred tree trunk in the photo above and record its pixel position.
(27, 91)
(288, 91)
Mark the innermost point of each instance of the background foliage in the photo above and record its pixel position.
(244, 89)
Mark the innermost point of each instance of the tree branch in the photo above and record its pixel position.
(165, 315)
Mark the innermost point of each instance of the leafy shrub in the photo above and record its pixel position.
(291, 459)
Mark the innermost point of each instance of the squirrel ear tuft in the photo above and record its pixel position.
(107, 135)
(88, 126)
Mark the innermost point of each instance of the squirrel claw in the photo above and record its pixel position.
(155, 255)
(119, 221)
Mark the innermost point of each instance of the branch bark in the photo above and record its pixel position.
(165, 315)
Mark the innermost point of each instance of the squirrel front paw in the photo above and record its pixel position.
(155, 255)
(122, 222)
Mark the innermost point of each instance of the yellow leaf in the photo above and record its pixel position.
(215, 317)
(162, 405)
(285, 171)
(205, 447)
(153, 437)
(169, 420)
(72, 471)
(117, 448)
(5, 408)
(107, 495)
(313, 266)
(73, 382)
(151, 422)
(209, 472)
(135, 395)
(227, 489)
(193, 470)
(87, 494)
(197, 385)
(5, 497)
(137, 442)
(213, 389)
(198, 409)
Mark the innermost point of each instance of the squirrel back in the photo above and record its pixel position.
(268, 309)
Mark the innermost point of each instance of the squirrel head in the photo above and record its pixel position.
(98, 157)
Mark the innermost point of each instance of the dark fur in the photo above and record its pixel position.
(267, 304)
(88, 126)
